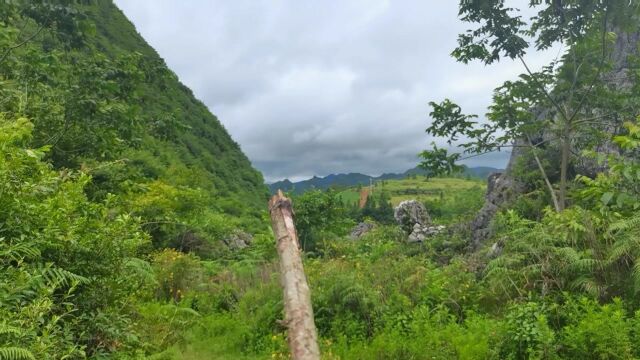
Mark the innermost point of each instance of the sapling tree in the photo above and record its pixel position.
(568, 103)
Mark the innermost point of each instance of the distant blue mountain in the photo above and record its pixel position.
(354, 179)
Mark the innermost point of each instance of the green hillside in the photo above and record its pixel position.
(124, 118)
(419, 188)
(205, 144)
(185, 131)
(448, 200)
(107, 159)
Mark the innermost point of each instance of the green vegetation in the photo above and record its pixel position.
(118, 190)
(567, 107)
(563, 287)
(421, 188)
(446, 198)
(341, 181)
(106, 160)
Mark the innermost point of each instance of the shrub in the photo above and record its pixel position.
(66, 283)
(527, 334)
(318, 212)
(596, 331)
(176, 273)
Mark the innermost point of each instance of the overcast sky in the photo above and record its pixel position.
(318, 87)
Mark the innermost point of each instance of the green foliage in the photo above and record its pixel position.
(164, 324)
(615, 192)
(14, 353)
(455, 206)
(597, 332)
(591, 247)
(377, 208)
(427, 334)
(53, 287)
(549, 109)
(318, 214)
(449, 120)
(175, 273)
(502, 31)
(439, 162)
(446, 198)
(527, 333)
(103, 101)
(181, 217)
(136, 157)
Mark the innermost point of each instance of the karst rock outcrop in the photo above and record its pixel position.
(361, 229)
(503, 188)
(413, 218)
(238, 240)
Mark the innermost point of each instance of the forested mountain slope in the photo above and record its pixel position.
(102, 100)
(106, 161)
(173, 114)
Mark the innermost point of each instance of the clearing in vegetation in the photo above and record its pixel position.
(419, 188)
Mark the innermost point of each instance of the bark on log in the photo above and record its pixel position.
(302, 336)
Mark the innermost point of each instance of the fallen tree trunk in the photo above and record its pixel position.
(302, 336)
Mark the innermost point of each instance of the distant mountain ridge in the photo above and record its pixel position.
(354, 179)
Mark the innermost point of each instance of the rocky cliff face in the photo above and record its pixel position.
(503, 188)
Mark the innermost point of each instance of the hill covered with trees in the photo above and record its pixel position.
(106, 157)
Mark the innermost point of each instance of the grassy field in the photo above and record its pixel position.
(448, 200)
(419, 188)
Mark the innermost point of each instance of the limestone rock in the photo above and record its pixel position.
(238, 240)
(495, 250)
(361, 229)
(501, 189)
(420, 232)
(409, 213)
(504, 188)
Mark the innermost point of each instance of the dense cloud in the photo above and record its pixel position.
(318, 87)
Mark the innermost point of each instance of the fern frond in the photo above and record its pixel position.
(587, 285)
(187, 311)
(533, 269)
(142, 269)
(15, 353)
(624, 246)
(632, 223)
(506, 261)
(568, 254)
(497, 272)
(61, 277)
(8, 329)
(584, 265)
(19, 252)
(635, 274)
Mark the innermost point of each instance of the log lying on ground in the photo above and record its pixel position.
(302, 336)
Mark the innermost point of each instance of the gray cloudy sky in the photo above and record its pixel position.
(310, 87)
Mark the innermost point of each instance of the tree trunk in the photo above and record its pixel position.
(554, 197)
(564, 165)
(302, 336)
(552, 191)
